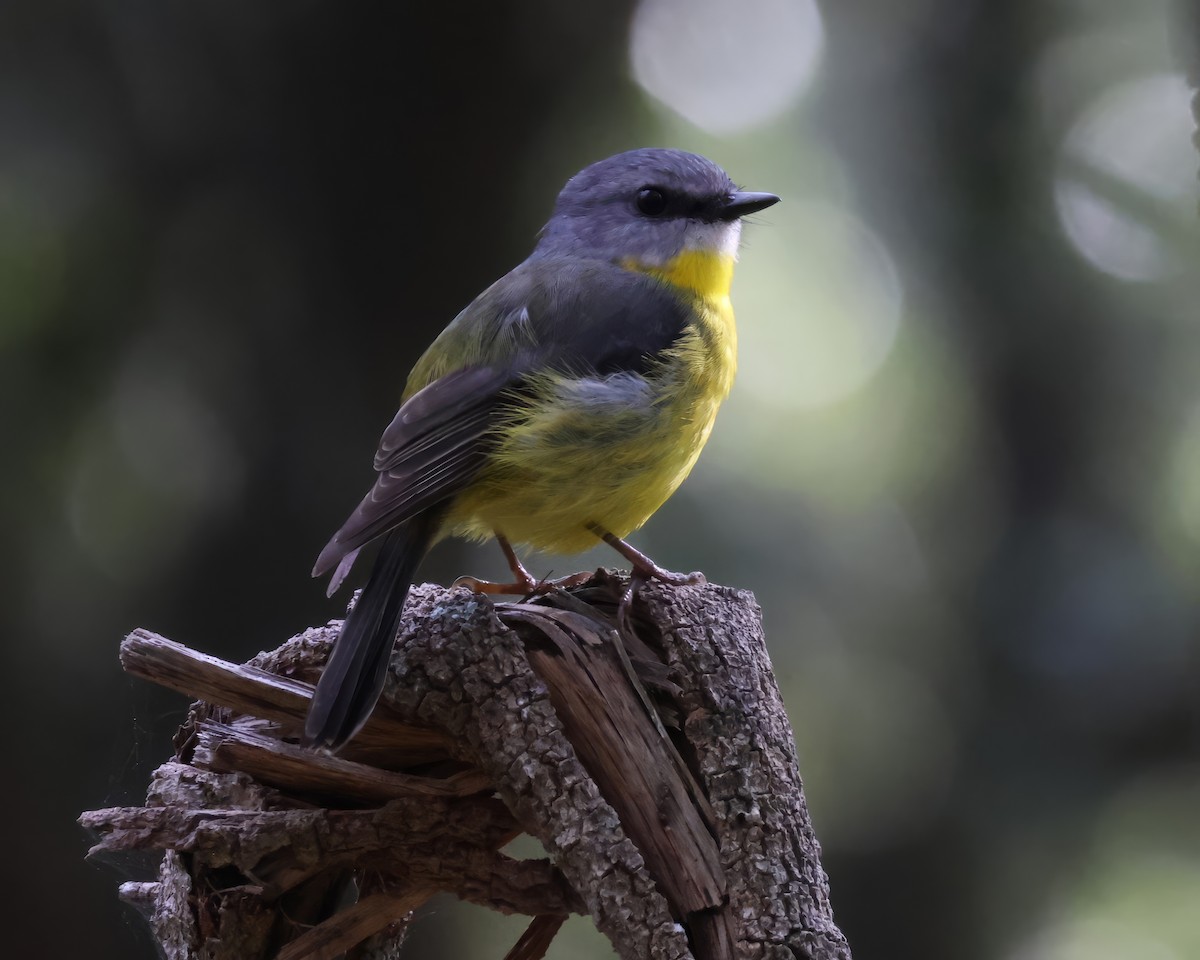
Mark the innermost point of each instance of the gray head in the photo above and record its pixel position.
(648, 206)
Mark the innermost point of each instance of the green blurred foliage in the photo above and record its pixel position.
(960, 469)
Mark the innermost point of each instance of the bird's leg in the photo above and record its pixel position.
(523, 583)
(642, 564)
(643, 569)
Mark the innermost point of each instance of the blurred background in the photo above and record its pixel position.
(960, 468)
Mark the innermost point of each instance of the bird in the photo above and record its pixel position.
(560, 408)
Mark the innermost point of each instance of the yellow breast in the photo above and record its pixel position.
(707, 276)
(570, 459)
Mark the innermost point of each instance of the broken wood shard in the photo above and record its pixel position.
(663, 786)
(225, 749)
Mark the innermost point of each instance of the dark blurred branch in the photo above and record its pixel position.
(690, 843)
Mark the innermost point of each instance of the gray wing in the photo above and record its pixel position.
(430, 451)
(581, 317)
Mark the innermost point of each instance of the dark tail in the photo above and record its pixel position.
(354, 675)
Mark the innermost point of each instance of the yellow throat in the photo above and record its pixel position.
(706, 273)
(707, 276)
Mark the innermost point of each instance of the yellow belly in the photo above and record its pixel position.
(608, 451)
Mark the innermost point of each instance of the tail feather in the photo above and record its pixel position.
(353, 678)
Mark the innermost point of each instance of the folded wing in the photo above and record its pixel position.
(583, 318)
(433, 448)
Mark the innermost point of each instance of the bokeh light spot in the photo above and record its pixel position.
(1095, 939)
(1182, 500)
(1135, 892)
(174, 440)
(1128, 167)
(725, 68)
(153, 464)
(867, 726)
(32, 264)
(826, 298)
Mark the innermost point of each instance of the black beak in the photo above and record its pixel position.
(742, 202)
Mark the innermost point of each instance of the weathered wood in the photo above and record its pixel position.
(462, 664)
(353, 925)
(225, 749)
(691, 840)
(636, 772)
(536, 939)
(253, 690)
(738, 731)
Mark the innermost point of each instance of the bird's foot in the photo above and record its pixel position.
(526, 586)
(655, 572)
(643, 567)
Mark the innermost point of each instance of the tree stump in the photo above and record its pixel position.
(659, 773)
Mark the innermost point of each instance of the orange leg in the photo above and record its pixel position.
(643, 566)
(643, 569)
(523, 583)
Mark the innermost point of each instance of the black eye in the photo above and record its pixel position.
(651, 202)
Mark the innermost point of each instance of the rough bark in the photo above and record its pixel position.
(670, 805)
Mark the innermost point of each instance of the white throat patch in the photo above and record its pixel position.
(716, 237)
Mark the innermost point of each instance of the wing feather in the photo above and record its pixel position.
(572, 316)
(430, 452)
